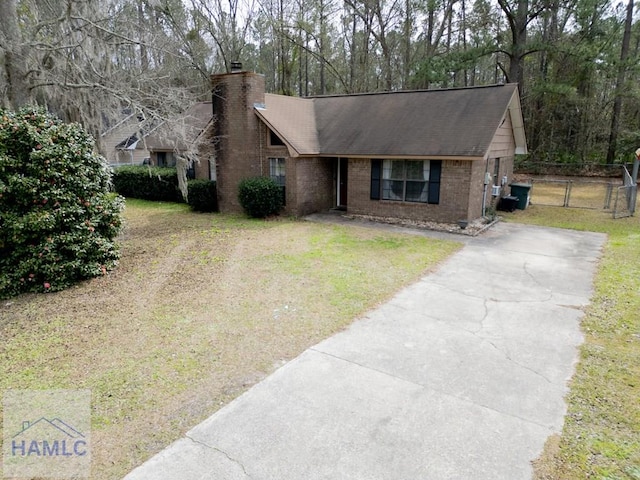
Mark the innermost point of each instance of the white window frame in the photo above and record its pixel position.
(277, 170)
(396, 178)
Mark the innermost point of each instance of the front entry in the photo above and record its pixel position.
(343, 171)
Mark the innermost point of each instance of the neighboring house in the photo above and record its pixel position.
(136, 141)
(182, 135)
(436, 155)
(121, 144)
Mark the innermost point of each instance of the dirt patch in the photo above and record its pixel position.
(545, 467)
(201, 307)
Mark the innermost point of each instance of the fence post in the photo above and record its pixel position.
(607, 197)
(634, 178)
(567, 193)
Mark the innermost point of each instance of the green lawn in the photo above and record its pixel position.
(601, 436)
(204, 306)
(201, 307)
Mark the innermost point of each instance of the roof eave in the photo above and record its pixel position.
(517, 124)
(395, 157)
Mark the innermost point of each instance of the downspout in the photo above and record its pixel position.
(262, 137)
(484, 193)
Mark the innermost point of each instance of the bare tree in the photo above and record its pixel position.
(87, 60)
(227, 23)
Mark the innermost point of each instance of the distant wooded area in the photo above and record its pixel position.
(576, 61)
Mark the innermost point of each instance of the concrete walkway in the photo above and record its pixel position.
(460, 376)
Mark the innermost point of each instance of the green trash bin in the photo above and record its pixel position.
(523, 192)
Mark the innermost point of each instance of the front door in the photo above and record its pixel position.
(343, 164)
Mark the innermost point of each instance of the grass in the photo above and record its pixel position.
(579, 194)
(601, 435)
(201, 307)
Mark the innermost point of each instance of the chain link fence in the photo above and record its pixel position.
(617, 196)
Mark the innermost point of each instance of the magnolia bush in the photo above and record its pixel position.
(58, 218)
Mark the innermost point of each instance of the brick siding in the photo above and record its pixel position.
(237, 138)
(458, 198)
(239, 141)
(314, 185)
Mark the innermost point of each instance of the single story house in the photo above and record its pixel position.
(433, 155)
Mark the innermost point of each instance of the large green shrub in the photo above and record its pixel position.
(147, 183)
(202, 196)
(58, 220)
(260, 196)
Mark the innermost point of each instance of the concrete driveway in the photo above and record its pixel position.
(459, 376)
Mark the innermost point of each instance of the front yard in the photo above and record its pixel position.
(202, 307)
(601, 436)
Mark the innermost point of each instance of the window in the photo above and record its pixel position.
(274, 139)
(406, 180)
(165, 159)
(277, 173)
(276, 170)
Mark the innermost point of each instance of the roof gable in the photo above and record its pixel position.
(293, 120)
(459, 123)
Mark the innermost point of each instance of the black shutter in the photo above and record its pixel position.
(435, 170)
(376, 174)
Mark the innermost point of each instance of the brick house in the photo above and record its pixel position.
(441, 155)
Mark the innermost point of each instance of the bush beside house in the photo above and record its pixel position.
(58, 218)
(202, 195)
(260, 197)
(147, 183)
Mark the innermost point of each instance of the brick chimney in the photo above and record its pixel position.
(237, 132)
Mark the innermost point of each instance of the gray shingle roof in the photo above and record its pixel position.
(427, 123)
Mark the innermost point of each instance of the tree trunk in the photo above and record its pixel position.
(518, 20)
(622, 68)
(14, 55)
(407, 29)
(519, 37)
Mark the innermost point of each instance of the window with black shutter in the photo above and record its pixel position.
(376, 175)
(415, 181)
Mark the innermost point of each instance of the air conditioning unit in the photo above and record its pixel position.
(495, 190)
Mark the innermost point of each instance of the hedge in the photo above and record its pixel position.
(260, 196)
(147, 183)
(202, 195)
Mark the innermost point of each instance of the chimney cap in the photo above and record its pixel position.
(236, 67)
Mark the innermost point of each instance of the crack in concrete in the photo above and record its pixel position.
(485, 305)
(505, 353)
(532, 276)
(229, 457)
(474, 332)
(483, 297)
(431, 388)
